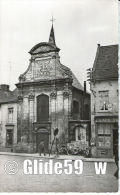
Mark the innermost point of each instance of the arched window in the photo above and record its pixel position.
(42, 108)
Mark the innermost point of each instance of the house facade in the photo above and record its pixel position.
(104, 101)
(48, 96)
(8, 118)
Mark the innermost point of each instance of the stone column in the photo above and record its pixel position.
(31, 115)
(53, 117)
(70, 104)
(66, 112)
(19, 118)
(60, 115)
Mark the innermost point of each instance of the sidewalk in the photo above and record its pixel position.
(61, 157)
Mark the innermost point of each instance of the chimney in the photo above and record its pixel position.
(84, 86)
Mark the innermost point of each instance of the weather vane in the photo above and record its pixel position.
(52, 19)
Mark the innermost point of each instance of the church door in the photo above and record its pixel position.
(42, 135)
(42, 108)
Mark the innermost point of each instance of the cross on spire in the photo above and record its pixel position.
(52, 19)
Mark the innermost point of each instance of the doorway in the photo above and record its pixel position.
(115, 141)
(42, 135)
(9, 137)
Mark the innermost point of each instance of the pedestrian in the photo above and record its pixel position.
(42, 148)
(57, 142)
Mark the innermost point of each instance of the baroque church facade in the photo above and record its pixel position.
(48, 96)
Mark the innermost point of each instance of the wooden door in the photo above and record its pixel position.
(43, 136)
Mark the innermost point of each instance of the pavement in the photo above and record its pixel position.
(88, 181)
(60, 157)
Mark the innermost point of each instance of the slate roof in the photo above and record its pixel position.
(8, 96)
(106, 63)
(75, 83)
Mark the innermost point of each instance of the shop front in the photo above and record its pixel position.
(106, 135)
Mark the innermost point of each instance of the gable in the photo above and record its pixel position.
(45, 69)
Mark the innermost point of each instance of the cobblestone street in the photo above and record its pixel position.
(88, 181)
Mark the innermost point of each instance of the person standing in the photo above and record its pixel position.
(42, 148)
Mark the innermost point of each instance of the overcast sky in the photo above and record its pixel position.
(79, 26)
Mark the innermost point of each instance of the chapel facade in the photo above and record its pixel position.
(48, 96)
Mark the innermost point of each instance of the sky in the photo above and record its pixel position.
(79, 26)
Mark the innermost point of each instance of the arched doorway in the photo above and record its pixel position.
(42, 135)
(42, 108)
(80, 133)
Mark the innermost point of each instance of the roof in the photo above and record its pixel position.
(43, 47)
(8, 96)
(106, 63)
(75, 83)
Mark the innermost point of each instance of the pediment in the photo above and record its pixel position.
(45, 69)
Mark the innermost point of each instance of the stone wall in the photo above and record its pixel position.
(83, 99)
(60, 97)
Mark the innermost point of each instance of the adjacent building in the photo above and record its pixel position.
(104, 101)
(48, 96)
(8, 118)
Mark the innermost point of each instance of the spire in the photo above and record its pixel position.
(52, 36)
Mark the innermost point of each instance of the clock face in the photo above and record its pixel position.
(42, 68)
